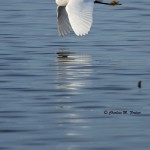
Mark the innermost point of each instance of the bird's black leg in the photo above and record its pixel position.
(100, 2)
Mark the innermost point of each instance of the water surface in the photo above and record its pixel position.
(74, 93)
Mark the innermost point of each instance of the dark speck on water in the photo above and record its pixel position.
(57, 93)
(140, 84)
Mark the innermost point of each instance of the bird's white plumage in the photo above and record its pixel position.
(64, 26)
(74, 15)
(80, 15)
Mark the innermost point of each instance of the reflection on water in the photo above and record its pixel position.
(72, 71)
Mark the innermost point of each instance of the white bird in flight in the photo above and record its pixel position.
(76, 15)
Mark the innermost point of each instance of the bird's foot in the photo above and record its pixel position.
(114, 3)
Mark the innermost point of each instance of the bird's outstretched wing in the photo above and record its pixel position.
(64, 26)
(80, 14)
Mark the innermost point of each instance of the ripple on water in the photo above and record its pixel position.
(109, 88)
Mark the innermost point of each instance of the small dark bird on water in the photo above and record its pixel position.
(139, 84)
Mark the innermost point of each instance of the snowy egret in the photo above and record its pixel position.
(76, 15)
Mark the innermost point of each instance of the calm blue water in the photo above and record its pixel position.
(51, 102)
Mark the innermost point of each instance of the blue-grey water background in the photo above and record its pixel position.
(50, 102)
